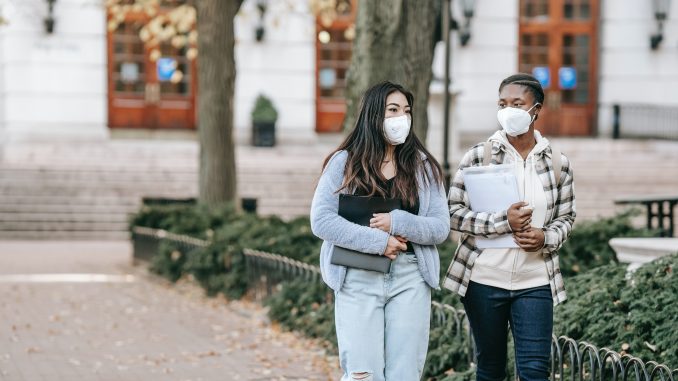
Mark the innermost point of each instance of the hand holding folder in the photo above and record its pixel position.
(359, 210)
(492, 189)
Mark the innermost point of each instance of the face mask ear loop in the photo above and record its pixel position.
(534, 117)
(533, 106)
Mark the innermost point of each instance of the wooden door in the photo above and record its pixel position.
(175, 100)
(141, 94)
(333, 57)
(129, 72)
(558, 44)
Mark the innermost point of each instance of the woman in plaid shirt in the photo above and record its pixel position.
(516, 287)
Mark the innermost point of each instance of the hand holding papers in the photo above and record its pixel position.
(492, 189)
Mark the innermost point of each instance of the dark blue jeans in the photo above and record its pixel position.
(529, 312)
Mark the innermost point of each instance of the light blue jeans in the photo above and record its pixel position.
(383, 322)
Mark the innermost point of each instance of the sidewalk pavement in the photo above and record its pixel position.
(79, 311)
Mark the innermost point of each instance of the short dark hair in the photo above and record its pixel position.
(530, 83)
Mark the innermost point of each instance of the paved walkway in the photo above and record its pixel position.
(79, 311)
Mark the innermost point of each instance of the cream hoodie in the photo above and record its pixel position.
(516, 269)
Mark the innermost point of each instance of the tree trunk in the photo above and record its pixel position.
(216, 85)
(394, 41)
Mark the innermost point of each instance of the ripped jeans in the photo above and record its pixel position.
(382, 322)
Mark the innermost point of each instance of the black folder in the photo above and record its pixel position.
(359, 210)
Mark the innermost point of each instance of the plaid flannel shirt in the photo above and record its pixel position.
(560, 215)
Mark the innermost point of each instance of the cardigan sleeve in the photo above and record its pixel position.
(328, 225)
(431, 228)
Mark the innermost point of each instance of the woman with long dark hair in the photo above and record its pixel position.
(382, 319)
(517, 285)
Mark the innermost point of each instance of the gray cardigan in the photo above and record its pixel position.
(430, 227)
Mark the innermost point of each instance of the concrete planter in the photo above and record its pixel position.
(263, 134)
(145, 246)
(637, 251)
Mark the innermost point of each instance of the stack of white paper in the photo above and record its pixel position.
(492, 189)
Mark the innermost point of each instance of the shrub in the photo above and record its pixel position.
(221, 267)
(306, 307)
(194, 220)
(588, 246)
(264, 111)
(168, 261)
(448, 354)
(638, 315)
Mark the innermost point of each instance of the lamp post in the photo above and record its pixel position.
(259, 31)
(465, 33)
(446, 97)
(448, 23)
(661, 12)
(49, 20)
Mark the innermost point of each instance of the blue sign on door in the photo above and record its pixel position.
(567, 77)
(543, 75)
(166, 68)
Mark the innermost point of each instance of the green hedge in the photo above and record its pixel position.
(220, 267)
(638, 315)
(588, 247)
(169, 261)
(195, 220)
(308, 307)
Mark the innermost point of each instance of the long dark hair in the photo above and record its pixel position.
(366, 147)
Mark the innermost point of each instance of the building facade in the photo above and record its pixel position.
(83, 80)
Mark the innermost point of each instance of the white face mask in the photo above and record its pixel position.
(397, 129)
(515, 121)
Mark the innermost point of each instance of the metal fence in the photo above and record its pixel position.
(645, 121)
(570, 359)
(266, 271)
(146, 242)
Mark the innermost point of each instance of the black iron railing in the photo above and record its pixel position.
(645, 121)
(445, 315)
(266, 271)
(570, 359)
(146, 241)
(584, 361)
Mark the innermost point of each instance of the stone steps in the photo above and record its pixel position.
(65, 217)
(86, 200)
(51, 235)
(92, 226)
(87, 191)
(74, 208)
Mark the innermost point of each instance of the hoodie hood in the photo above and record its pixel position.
(500, 137)
(529, 183)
